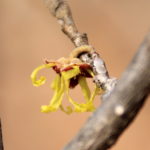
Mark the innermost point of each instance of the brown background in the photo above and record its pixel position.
(28, 33)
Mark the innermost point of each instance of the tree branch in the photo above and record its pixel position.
(62, 12)
(120, 105)
(1, 139)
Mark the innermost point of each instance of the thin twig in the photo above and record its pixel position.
(62, 12)
(1, 139)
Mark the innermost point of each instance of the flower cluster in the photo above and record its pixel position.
(70, 72)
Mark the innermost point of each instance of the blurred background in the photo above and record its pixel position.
(28, 34)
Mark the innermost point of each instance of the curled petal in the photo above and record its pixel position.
(68, 109)
(42, 79)
(88, 106)
(78, 107)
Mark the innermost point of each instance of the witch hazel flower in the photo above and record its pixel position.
(69, 73)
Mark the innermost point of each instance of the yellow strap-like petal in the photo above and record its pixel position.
(66, 83)
(71, 73)
(77, 107)
(55, 83)
(85, 89)
(57, 98)
(88, 106)
(60, 88)
(42, 79)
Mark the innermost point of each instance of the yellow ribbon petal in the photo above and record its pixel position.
(57, 98)
(71, 73)
(55, 82)
(77, 107)
(42, 79)
(88, 106)
(85, 89)
(66, 79)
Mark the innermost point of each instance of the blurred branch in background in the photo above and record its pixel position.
(1, 139)
(122, 104)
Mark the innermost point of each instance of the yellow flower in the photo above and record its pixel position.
(70, 72)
